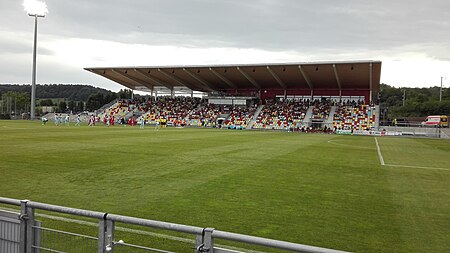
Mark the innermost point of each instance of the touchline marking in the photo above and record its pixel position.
(418, 167)
(14, 128)
(379, 152)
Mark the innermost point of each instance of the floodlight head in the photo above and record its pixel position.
(35, 8)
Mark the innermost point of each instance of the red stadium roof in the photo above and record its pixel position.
(306, 76)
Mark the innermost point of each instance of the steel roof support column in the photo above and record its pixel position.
(146, 75)
(205, 85)
(338, 81)
(311, 86)
(131, 78)
(370, 82)
(224, 79)
(275, 76)
(173, 78)
(103, 73)
(249, 78)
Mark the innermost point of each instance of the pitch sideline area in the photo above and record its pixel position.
(289, 186)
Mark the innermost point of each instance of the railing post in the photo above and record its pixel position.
(23, 226)
(30, 232)
(208, 240)
(198, 243)
(101, 235)
(205, 242)
(110, 226)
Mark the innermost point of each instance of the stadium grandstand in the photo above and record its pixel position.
(289, 96)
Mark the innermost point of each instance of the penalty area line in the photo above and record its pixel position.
(380, 156)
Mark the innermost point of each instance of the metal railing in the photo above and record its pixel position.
(34, 238)
(415, 130)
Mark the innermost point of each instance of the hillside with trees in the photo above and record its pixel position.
(16, 99)
(413, 102)
(394, 102)
(75, 92)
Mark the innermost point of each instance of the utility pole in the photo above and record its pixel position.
(440, 91)
(404, 96)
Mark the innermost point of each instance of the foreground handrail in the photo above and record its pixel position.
(9, 201)
(202, 232)
(271, 243)
(155, 224)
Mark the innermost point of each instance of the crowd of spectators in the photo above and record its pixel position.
(321, 109)
(239, 116)
(173, 110)
(275, 114)
(118, 110)
(285, 114)
(205, 114)
(354, 115)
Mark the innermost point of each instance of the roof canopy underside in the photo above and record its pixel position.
(357, 75)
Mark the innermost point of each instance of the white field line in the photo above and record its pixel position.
(403, 166)
(14, 128)
(417, 167)
(379, 152)
(136, 231)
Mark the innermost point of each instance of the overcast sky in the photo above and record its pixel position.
(411, 38)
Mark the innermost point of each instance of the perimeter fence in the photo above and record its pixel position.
(93, 231)
(416, 131)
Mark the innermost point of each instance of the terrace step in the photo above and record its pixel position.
(255, 116)
(331, 116)
(308, 114)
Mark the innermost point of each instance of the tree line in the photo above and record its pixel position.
(413, 102)
(16, 99)
(394, 102)
(75, 92)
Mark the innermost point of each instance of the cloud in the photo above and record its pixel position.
(83, 33)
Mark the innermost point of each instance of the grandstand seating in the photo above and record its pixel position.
(204, 114)
(239, 116)
(276, 115)
(281, 115)
(321, 109)
(175, 110)
(354, 117)
(119, 109)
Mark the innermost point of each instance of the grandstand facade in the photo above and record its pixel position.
(292, 96)
(317, 79)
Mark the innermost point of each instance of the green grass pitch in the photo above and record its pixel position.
(316, 189)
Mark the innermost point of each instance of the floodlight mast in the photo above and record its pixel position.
(33, 76)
